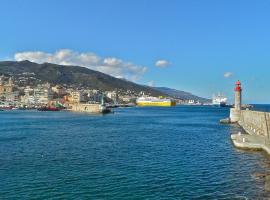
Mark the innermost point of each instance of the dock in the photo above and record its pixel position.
(89, 108)
(251, 142)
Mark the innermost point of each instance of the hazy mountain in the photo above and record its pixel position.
(181, 94)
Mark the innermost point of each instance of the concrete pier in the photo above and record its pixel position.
(89, 108)
(256, 126)
(251, 142)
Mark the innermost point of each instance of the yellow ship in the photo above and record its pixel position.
(154, 101)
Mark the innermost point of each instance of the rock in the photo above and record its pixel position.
(267, 183)
(225, 121)
(260, 175)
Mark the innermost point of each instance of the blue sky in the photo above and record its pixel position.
(200, 40)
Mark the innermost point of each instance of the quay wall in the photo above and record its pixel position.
(90, 108)
(255, 122)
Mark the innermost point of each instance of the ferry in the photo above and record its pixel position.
(155, 101)
(219, 100)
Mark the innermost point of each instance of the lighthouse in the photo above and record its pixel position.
(235, 112)
(238, 95)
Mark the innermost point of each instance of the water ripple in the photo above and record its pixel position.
(135, 153)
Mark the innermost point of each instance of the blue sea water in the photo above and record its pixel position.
(135, 153)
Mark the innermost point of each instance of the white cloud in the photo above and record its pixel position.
(151, 83)
(228, 74)
(162, 63)
(109, 65)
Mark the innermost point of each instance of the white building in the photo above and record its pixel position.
(43, 94)
(112, 95)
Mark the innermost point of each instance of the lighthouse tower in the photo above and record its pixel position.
(235, 112)
(238, 95)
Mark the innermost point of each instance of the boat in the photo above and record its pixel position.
(219, 100)
(48, 108)
(155, 101)
(103, 108)
(4, 106)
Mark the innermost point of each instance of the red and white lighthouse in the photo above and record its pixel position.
(238, 95)
(235, 112)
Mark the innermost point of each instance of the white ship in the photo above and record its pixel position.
(219, 100)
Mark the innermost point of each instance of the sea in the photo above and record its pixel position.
(180, 152)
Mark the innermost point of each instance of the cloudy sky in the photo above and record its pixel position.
(197, 46)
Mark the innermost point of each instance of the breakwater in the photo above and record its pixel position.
(256, 125)
(89, 108)
(92, 108)
(255, 122)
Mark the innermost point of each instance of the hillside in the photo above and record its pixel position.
(29, 73)
(181, 94)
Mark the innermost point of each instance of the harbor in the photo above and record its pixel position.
(134, 100)
(81, 137)
(134, 148)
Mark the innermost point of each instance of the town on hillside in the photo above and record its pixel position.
(18, 93)
(45, 94)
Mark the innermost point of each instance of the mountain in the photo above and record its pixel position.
(181, 94)
(29, 73)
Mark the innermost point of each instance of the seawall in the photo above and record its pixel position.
(90, 108)
(257, 125)
(255, 122)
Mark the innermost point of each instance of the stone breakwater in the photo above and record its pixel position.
(257, 125)
(255, 122)
(89, 108)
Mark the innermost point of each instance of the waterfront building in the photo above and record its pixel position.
(6, 87)
(28, 99)
(43, 94)
(75, 97)
(59, 90)
(94, 95)
(113, 95)
(28, 90)
(12, 97)
(7, 93)
(191, 101)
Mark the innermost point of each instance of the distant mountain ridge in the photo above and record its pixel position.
(33, 74)
(181, 94)
(30, 73)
